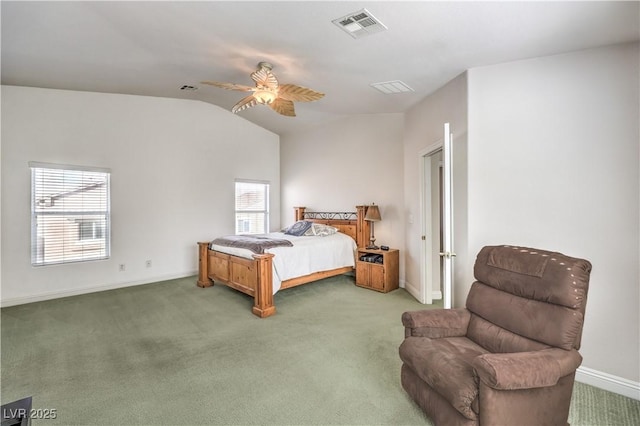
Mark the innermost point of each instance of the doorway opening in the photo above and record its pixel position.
(432, 232)
(436, 263)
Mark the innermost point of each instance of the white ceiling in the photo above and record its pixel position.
(154, 48)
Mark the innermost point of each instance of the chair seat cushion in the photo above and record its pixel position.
(446, 366)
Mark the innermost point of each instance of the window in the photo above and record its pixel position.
(70, 217)
(90, 229)
(252, 207)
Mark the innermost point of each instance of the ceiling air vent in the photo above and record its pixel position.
(389, 87)
(359, 24)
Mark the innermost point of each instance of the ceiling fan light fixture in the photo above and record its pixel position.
(267, 91)
(264, 97)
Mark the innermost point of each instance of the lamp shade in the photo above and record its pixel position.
(373, 214)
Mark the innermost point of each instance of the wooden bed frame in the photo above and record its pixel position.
(254, 277)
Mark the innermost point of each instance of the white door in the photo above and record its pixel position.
(447, 253)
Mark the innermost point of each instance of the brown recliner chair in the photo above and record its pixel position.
(510, 356)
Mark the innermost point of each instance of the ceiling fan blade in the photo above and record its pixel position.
(230, 86)
(292, 92)
(244, 103)
(283, 106)
(264, 77)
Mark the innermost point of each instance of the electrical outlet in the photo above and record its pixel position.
(122, 267)
(148, 263)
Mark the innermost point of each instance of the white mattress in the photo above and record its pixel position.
(308, 255)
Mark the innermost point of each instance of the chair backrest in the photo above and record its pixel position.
(527, 299)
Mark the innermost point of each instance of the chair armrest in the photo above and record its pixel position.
(526, 370)
(437, 323)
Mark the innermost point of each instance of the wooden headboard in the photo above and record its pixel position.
(350, 223)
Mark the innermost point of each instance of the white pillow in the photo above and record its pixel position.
(321, 230)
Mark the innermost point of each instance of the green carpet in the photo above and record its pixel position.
(173, 353)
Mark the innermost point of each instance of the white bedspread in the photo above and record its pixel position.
(308, 255)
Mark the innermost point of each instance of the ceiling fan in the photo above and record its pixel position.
(279, 97)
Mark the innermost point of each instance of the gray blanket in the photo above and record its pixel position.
(255, 243)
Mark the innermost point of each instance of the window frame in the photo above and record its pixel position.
(75, 248)
(266, 211)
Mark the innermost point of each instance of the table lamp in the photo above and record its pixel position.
(372, 215)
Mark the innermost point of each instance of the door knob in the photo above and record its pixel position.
(447, 254)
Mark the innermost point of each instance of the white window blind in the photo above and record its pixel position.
(70, 215)
(252, 207)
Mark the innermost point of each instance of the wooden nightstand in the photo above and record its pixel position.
(381, 277)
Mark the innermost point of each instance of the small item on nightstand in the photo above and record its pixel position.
(385, 248)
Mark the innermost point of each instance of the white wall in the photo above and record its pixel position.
(553, 164)
(424, 127)
(349, 162)
(173, 165)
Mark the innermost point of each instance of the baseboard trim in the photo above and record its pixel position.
(413, 290)
(76, 292)
(608, 382)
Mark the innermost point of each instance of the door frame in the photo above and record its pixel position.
(426, 252)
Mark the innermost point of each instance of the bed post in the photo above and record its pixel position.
(203, 265)
(299, 213)
(263, 297)
(364, 227)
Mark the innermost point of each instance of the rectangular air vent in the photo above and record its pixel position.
(359, 24)
(395, 86)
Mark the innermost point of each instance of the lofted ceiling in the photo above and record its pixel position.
(155, 48)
